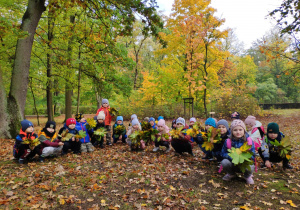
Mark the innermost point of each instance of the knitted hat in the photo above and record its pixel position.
(133, 116)
(101, 116)
(50, 124)
(159, 118)
(236, 123)
(180, 120)
(250, 120)
(26, 124)
(193, 119)
(146, 119)
(161, 122)
(78, 116)
(151, 119)
(120, 118)
(273, 128)
(135, 121)
(70, 121)
(223, 122)
(210, 121)
(104, 101)
(235, 115)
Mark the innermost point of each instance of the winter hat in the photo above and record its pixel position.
(250, 120)
(120, 118)
(70, 121)
(235, 115)
(210, 121)
(273, 128)
(50, 124)
(193, 119)
(78, 116)
(104, 101)
(161, 122)
(26, 124)
(133, 116)
(146, 119)
(101, 116)
(223, 122)
(151, 119)
(236, 123)
(160, 118)
(180, 120)
(135, 121)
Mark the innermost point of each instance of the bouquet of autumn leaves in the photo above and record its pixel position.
(66, 136)
(31, 142)
(211, 137)
(284, 147)
(195, 130)
(113, 111)
(147, 134)
(175, 133)
(91, 124)
(241, 157)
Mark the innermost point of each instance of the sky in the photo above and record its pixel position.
(248, 18)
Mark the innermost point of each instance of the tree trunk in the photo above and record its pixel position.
(4, 129)
(20, 73)
(79, 78)
(49, 69)
(68, 86)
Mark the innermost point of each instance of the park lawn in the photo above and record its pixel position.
(116, 178)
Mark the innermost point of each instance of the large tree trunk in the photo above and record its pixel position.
(20, 73)
(4, 129)
(79, 78)
(68, 87)
(49, 70)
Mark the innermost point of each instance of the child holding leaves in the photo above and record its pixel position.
(27, 145)
(67, 134)
(86, 145)
(99, 132)
(237, 145)
(163, 138)
(119, 130)
(131, 133)
(108, 117)
(181, 142)
(223, 126)
(269, 152)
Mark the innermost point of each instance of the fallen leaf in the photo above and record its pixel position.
(90, 200)
(62, 201)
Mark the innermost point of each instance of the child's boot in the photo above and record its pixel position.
(155, 149)
(21, 161)
(228, 177)
(286, 165)
(249, 180)
(41, 159)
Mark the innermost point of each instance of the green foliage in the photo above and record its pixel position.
(284, 147)
(100, 132)
(81, 134)
(31, 142)
(119, 130)
(241, 157)
(266, 92)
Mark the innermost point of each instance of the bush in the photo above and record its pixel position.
(82, 109)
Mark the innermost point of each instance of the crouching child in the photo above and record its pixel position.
(67, 135)
(163, 138)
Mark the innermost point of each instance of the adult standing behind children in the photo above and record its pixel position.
(105, 108)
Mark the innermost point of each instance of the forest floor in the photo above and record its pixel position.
(116, 178)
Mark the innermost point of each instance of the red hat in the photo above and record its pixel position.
(70, 121)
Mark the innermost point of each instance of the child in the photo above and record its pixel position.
(73, 143)
(98, 140)
(105, 107)
(173, 124)
(152, 123)
(135, 127)
(224, 130)
(50, 144)
(123, 136)
(268, 152)
(86, 145)
(237, 139)
(192, 122)
(160, 118)
(210, 122)
(255, 130)
(235, 115)
(24, 151)
(183, 143)
(146, 119)
(163, 129)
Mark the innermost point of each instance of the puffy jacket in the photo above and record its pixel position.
(72, 131)
(22, 136)
(267, 147)
(237, 144)
(255, 134)
(108, 117)
(80, 126)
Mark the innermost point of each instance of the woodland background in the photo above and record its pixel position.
(142, 61)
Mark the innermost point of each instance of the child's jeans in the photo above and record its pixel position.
(48, 151)
(231, 169)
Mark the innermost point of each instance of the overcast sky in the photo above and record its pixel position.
(247, 17)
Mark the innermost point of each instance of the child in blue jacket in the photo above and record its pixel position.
(123, 136)
(86, 145)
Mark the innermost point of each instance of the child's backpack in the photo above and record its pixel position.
(260, 129)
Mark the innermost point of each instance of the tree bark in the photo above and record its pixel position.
(79, 78)
(20, 74)
(49, 70)
(4, 129)
(68, 86)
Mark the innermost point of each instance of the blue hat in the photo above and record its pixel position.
(210, 121)
(151, 119)
(160, 118)
(120, 118)
(104, 101)
(223, 122)
(26, 124)
(135, 122)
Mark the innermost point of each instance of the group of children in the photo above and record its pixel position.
(48, 143)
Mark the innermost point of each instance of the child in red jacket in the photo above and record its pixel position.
(108, 118)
